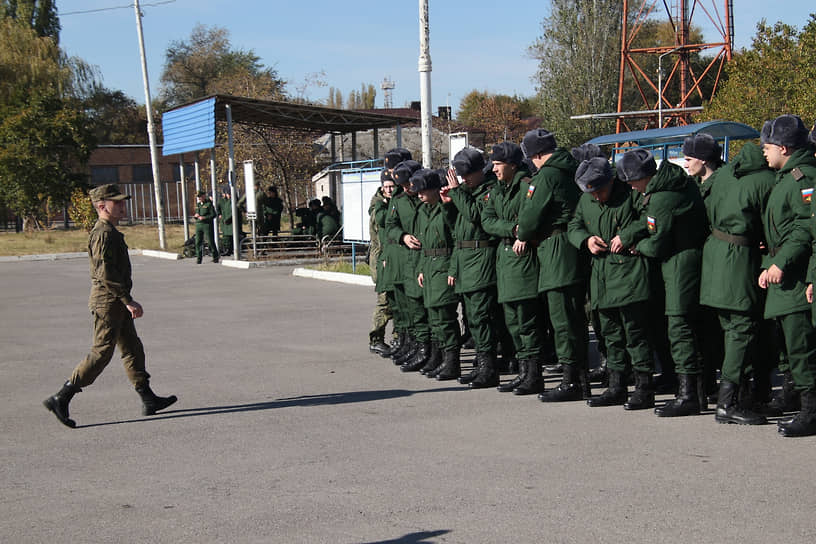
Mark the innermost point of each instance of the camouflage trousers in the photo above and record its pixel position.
(113, 326)
(382, 315)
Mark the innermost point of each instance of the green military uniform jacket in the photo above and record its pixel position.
(616, 279)
(207, 212)
(737, 198)
(374, 245)
(225, 215)
(272, 206)
(402, 219)
(545, 213)
(327, 225)
(473, 267)
(516, 276)
(385, 273)
(672, 229)
(435, 224)
(110, 266)
(787, 233)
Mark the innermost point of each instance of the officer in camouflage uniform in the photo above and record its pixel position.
(376, 257)
(113, 309)
(204, 214)
(473, 263)
(547, 208)
(516, 266)
(671, 230)
(787, 226)
(435, 224)
(619, 282)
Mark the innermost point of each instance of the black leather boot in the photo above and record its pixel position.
(643, 396)
(408, 351)
(687, 401)
(395, 345)
(379, 347)
(451, 367)
(421, 356)
(151, 403)
(470, 376)
(729, 411)
(615, 394)
(599, 374)
(803, 423)
(569, 389)
(788, 398)
(488, 375)
(532, 383)
(58, 403)
(515, 382)
(434, 360)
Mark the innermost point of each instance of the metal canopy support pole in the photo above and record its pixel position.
(183, 208)
(154, 157)
(376, 153)
(425, 82)
(215, 220)
(197, 173)
(212, 183)
(235, 228)
(354, 145)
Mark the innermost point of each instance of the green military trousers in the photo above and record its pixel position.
(569, 326)
(480, 310)
(624, 331)
(522, 319)
(683, 343)
(444, 326)
(113, 326)
(202, 230)
(739, 337)
(800, 345)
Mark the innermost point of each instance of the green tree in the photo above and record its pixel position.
(499, 116)
(206, 64)
(116, 118)
(41, 15)
(772, 78)
(362, 99)
(335, 99)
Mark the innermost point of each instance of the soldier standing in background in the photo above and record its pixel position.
(547, 208)
(516, 266)
(377, 253)
(113, 309)
(225, 221)
(473, 263)
(272, 209)
(619, 282)
(204, 214)
(787, 226)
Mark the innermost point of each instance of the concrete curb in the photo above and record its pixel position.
(353, 279)
(160, 254)
(46, 257)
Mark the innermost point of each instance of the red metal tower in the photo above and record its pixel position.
(682, 79)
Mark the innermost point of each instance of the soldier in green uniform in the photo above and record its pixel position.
(204, 214)
(435, 224)
(731, 262)
(473, 263)
(225, 221)
(113, 309)
(401, 228)
(671, 230)
(619, 282)
(376, 257)
(786, 223)
(547, 209)
(516, 266)
(272, 208)
(328, 220)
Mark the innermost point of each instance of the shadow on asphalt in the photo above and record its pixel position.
(287, 402)
(412, 538)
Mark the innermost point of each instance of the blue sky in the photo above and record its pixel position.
(476, 44)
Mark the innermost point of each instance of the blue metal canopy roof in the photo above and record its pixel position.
(719, 130)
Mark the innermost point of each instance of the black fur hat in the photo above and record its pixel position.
(787, 130)
(702, 146)
(592, 174)
(636, 164)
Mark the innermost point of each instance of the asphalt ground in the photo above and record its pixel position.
(287, 430)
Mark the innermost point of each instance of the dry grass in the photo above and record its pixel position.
(76, 240)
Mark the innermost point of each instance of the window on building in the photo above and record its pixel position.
(101, 175)
(142, 173)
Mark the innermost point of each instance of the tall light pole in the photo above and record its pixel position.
(151, 133)
(425, 82)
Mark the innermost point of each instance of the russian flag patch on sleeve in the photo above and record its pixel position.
(651, 223)
(807, 194)
(530, 191)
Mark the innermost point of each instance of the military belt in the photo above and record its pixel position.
(736, 239)
(474, 244)
(437, 252)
